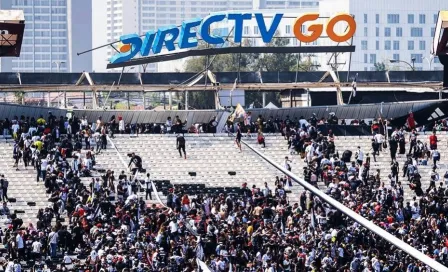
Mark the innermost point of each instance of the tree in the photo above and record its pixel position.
(19, 97)
(380, 66)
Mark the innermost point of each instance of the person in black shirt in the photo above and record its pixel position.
(238, 137)
(180, 144)
(137, 161)
(6, 126)
(112, 126)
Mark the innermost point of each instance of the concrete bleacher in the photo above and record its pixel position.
(211, 157)
(277, 149)
(22, 186)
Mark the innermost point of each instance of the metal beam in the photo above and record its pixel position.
(356, 217)
(233, 50)
(245, 86)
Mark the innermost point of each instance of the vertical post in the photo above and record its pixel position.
(349, 61)
(23, 98)
(94, 99)
(65, 99)
(186, 100)
(164, 100)
(84, 99)
(48, 99)
(144, 100)
(170, 100)
(264, 99)
(129, 101)
(290, 98)
(216, 99)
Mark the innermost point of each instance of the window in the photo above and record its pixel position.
(246, 30)
(363, 45)
(256, 29)
(410, 18)
(377, 30)
(377, 45)
(288, 29)
(396, 56)
(372, 58)
(387, 31)
(422, 19)
(393, 18)
(399, 32)
(422, 45)
(386, 45)
(416, 32)
(433, 31)
(365, 58)
(365, 32)
(377, 18)
(396, 45)
(365, 18)
(436, 16)
(410, 45)
(418, 58)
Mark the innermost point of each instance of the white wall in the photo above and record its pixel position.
(99, 35)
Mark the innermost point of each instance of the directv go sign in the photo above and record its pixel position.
(187, 37)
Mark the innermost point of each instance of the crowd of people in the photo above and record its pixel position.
(106, 226)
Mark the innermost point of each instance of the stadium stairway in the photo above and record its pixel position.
(277, 149)
(25, 194)
(211, 159)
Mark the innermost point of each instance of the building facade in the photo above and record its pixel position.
(55, 31)
(398, 34)
(114, 18)
(391, 35)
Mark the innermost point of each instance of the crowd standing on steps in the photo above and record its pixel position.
(105, 226)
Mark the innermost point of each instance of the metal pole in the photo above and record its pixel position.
(48, 100)
(264, 99)
(129, 102)
(186, 100)
(170, 100)
(144, 100)
(349, 61)
(356, 217)
(65, 99)
(84, 99)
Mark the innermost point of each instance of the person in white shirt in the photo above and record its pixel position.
(53, 238)
(121, 126)
(168, 125)
(20, 246)
(15, 128)
(359, 156)
(36, 249)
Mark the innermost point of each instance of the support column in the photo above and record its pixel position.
(186, 100)
(264, 99)
(94, 99)
(217, 99)
(444, 60)
(290, 98)
(144, 100)
(129, 101)
(48, 99)
(65, 99)
(84, 99)
(170, 100)
(23, 99)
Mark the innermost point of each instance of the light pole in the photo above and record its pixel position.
(397, 61)
(429, 60)
(58, 64)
